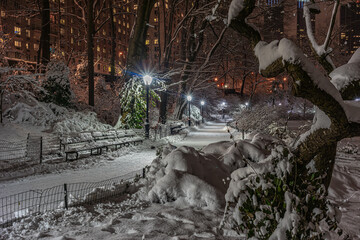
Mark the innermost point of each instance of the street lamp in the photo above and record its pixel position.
(202, 110)
(223, 109)
(147, 80)
(189, 98)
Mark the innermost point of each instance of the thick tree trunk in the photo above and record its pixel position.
(44, 47)
(137, 47)
(90, 50)
(113, 43)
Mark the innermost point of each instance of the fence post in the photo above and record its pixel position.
(41, 149)
(27, 145)
(65, 196)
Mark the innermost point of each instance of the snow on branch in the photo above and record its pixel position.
(321, 50)
(235, 8)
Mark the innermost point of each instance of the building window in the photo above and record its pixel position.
(71, 30)
(104, 50)
(72, 41)
(155, 19)
(36, 46)
(62, 31)
(104, 32)
(98, 67)
(17, 30)
(114, 19)
(119, 30)
(98, 48)
(156, 41)
(17, 44)
(147, 42)
(28, 33)
(27, 46)
(135, 7)
(62, 21)
(3, 13)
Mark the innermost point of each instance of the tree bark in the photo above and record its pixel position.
(90, 50)
(113, 42)
(137, 47)
(44, 47)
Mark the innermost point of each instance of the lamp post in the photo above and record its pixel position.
(223, 109)
(202, 110)
(189, 98)
(147, 80)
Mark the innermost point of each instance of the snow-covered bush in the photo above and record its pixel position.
(260, 117)
(266, 201)
(57, 84)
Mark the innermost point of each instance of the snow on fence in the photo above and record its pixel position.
(18, 206)
(31, 150)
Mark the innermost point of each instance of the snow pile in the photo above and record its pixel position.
(235, 8)
(186, 176)
(347, 74)
(59, 119)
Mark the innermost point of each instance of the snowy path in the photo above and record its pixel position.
(119, 166)
(205, 134)
(123, 165)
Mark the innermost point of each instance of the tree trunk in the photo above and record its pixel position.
(90, 50)
(113, 43)
(137, 47)
(44, 47)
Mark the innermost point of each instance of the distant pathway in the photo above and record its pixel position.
(205, 134)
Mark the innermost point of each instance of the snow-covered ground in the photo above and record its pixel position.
(132, 217)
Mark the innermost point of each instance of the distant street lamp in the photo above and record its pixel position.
(202, 110)
(223, 109)
(147, 80)
(189, 98)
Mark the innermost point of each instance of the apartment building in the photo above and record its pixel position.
(21, 23)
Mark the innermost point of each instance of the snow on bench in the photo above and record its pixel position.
(96, 142)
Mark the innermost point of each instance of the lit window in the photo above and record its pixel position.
(98, 48)
(114, 19)
(104, 32)
(72, 41)
(128, 25)
(157, 4)
(109, 69)
(71, 30)
(63, 53)
(28, 33)
(27, 46)
(156, 41)
(127, 9)
(36, 46)
(114, 10)
(29, 21)
(17, 44)
(147, 42)
(17, 30)
(119, 30)
(62, 31)
(135, 7)
(62, 21)
(155, 19)
(104, 50)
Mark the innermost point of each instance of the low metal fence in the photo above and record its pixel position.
(21, 205)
